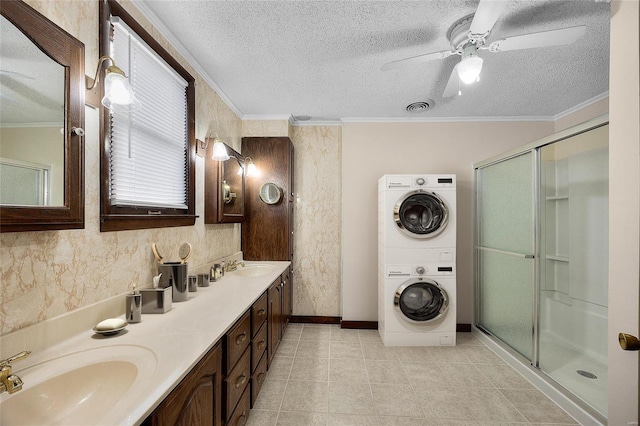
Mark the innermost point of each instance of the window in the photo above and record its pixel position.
(148, 167)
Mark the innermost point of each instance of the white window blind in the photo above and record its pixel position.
(148, 147)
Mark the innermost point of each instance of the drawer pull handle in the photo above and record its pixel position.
(242, 420)
(241, 381)
(261, 377)
(241, 338)
(262, 344)
(261, 312)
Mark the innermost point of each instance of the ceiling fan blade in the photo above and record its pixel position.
(16, 74)
(414, 60)
(453, 85)
(541, 39)
(486, 16)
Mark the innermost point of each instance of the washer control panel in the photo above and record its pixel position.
(440, 269)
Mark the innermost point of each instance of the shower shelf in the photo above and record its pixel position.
(557, 258)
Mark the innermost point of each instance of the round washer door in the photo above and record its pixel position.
(421, 214)
(421, 300)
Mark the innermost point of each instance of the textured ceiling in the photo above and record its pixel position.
(322, 58)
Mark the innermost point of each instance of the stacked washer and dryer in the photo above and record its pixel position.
(417, 260)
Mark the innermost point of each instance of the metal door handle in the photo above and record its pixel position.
(628, 342)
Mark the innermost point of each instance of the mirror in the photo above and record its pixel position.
(270, 193)
(42, 96)
(224, 188)
(31, 122)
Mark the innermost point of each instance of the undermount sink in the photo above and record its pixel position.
(254, 270)
(78, 388)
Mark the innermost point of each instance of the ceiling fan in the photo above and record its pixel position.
(469, 35)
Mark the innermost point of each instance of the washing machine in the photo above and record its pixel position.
(417, 211)
(417, 299)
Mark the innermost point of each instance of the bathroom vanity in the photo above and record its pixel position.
(203, 362)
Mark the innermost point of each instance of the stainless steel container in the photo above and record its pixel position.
(156, 300)
(203, 280)
(193, 283)
(217, 271)
(174, 275)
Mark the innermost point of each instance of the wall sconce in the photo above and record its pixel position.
(117, 91)
(219, 151)
(247, 168)
(252, 170)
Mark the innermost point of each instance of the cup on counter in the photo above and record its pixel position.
(203, 280)
(193, 283)
(174, 275)
(217, 271)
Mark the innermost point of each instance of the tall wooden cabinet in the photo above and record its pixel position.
(267, 233)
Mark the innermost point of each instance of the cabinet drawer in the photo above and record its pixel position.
(258, 313)
(237, 381)
(237, 339)
(258, 347)
(257, 379)
(240, 415)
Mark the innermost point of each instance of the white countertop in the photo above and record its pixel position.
(177, 340)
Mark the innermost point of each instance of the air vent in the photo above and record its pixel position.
(420, 106)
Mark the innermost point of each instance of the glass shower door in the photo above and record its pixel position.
(573, 298)
(505, 244)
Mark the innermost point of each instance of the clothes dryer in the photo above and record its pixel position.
(417, 300)
(417, 211)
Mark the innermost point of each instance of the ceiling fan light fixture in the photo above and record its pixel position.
(469, 69)
(470, 66)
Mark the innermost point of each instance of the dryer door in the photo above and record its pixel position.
(421, 214)
(421, 300)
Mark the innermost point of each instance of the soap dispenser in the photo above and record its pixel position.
(134, 306)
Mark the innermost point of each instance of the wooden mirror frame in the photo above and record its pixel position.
(214, 205)
(68, 52)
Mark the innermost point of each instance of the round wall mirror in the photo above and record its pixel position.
(270, 193)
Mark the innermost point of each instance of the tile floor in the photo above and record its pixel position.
(325, 375)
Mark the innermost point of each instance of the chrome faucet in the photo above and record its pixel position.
(233, 265)
(9, 382)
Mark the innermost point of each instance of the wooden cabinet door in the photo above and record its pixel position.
(274, 332)
(197, 400)
(287, 298)
(266, 232)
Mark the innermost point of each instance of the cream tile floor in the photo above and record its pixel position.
(325, 375)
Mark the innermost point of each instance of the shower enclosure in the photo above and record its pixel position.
(541, 259)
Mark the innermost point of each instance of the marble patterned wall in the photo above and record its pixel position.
(46, 274)
(317, 259)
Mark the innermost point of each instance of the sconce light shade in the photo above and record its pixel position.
(219, 151)
(252, 170)
(117, 91)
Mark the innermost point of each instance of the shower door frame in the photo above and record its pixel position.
(533, 363)
(477, 248)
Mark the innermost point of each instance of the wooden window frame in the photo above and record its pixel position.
(119, 218)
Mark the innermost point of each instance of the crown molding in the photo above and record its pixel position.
(184, 52)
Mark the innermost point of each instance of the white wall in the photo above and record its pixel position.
(624, 209)
(41, 145)
(370, 150)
